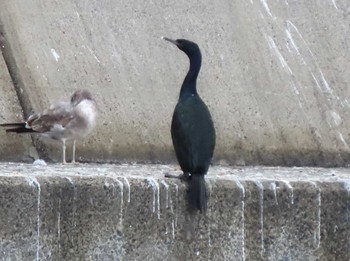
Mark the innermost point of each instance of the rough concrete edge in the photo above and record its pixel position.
(19, 87)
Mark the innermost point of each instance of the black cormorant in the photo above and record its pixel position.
(192, 129)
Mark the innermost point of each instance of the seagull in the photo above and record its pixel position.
(63, 121)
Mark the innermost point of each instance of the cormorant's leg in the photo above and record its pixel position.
(183, 176)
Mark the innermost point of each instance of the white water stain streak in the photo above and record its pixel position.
(291, 191)
(289, 36)
(274, 190)
(343, 140)
(34, 183)
(317, 234)
(121, 187)
(266, 6)
(346, 185)
(92, 53)
(177, 203)
(291, 40)
(173, 229)
(280, 57)
(55, 54)
(297, 92)
(334, 4)
(70, 180)
(166, 187)
(128, 187)
(316, 81)
(210, 188)
(59, 225)
(241, 187)
(326, 88)
(290, 24)
(74, 206)
(173, 216)
(336, 118)
(326, 85)
(347, 102)
(166, 230)
(261, 201)
(155, 188)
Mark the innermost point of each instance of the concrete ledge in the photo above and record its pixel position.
(114, 212)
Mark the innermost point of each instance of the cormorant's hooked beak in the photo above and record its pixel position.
(170, 40)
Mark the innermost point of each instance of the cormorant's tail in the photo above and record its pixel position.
(16, 127)
(197, 193)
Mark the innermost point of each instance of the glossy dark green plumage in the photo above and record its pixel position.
(192, 130)
(193, 135)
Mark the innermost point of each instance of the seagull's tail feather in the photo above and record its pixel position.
(16, 127)
(18, 124)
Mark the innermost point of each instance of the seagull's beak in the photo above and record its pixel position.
(170, 40)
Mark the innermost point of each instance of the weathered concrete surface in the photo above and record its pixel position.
(12, 148)
(275, 73)
(130, 212)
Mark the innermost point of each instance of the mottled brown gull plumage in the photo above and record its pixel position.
(62, 121)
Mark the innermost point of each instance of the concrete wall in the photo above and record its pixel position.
(106, 212)
(12, 148)
(275, 74)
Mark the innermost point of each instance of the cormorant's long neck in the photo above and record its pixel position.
(188, 87)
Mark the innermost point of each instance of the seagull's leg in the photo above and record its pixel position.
(73, 157)
(64, 151)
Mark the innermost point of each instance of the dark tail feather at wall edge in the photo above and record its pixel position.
(16, 127)
(197, 193)
(19, 124)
